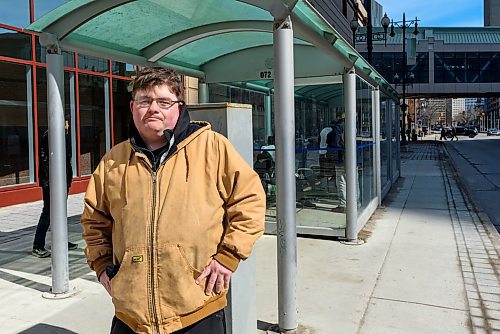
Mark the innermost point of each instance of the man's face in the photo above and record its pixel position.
(152, 117)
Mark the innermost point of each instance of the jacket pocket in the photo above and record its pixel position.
(176, 277)
(129, 288)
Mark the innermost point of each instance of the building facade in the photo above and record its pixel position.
(96, 103)
(492, 13)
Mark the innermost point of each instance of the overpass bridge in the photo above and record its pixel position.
(448, 62)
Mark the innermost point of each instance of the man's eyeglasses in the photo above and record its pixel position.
(163, 103)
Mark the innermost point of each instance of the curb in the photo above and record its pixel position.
(483, 217)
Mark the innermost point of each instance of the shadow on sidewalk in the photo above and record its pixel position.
(46, 329)
(15, 256)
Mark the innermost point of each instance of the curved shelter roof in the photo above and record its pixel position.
(215, 40)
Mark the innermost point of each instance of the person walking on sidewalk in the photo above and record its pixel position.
(453, 133)
(336, 156)
(43, 176)
(169, 214)
(443, 133)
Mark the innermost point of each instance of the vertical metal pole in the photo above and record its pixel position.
(202, 92)
(350, 156)
(107, 114)
(57, 173)
(285, 174)
(378, 170)
(267, 111)
(403, 106)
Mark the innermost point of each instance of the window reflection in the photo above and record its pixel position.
(92, 121)
(121, 110)
(15, 13)
(93, 64)
(15, 44)
(466, 67)
(41, 55)
(14, 124)
(125, 70)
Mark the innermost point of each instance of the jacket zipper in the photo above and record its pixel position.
(151, 255)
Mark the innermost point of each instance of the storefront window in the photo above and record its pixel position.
(93, 97)
(125, 70)
(15, 13)
(69, 107)
(364, 143)
(42, 7)
(121, 110)
(16, 160)
(15, 44)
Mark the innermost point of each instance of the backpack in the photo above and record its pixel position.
(336, 137)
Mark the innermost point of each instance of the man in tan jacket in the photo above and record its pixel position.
(168, 215)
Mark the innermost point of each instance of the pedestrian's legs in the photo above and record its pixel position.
(44, 221)
(341, 185)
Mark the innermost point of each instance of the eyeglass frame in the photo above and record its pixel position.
(150, 101)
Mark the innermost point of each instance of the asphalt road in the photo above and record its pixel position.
(478, 164)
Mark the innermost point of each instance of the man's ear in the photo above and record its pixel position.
(131, 105)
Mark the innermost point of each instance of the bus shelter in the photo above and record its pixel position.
(282, 48)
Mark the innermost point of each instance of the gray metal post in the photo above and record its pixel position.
(351, 169)
(267, 110)
(285, 174)
(202, 92)
(376, 115)
(57, 165)
(235, 122)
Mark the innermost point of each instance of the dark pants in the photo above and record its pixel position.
(213, 324)
(44, 221)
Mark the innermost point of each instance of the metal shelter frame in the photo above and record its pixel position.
(215, 41)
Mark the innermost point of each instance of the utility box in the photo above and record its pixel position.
(234, 121)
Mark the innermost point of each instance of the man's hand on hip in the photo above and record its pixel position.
(218, 276)
(106, 283)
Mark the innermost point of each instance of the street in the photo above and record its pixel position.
(477, 161)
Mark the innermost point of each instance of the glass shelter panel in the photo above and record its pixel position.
(365, 143)
(395, 135)
(319, 156)
(15, 125)
(385, 132)
(318, 163)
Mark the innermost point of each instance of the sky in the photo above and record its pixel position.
(437, 13)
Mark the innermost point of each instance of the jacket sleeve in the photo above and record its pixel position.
(97, 222)
(245, 201)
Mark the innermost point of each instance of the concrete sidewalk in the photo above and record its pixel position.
(429, 265)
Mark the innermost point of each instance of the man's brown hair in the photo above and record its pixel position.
(149, 77)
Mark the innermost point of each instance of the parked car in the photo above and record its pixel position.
(492, 132)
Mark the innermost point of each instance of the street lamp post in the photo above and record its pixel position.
(403, 25)
(369, 36)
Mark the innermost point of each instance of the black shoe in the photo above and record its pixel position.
(40, 252)
(72, 246)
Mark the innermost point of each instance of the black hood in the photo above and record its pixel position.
(181, 131)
